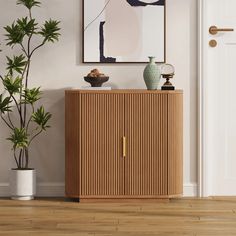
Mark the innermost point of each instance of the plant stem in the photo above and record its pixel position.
(26, 158)
(27, 126)
(40, 45)
(9, 118)
(26, 86)
(30, 37)
(29, 45)
(22, 77)
(30, 14)
(19, 111)
(28, 54)
(23, 49)
(21, 158)
(35, 136)
(17, 163)
(9, 125)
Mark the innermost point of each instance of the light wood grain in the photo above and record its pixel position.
(123, 91)
(146, 132)
(72, 144)
(193, 217)
(101, 156)
(175, 143)
(98, 122)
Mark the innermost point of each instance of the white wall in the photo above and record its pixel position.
(59, 66)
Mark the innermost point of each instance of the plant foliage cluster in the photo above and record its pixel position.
(18, 97)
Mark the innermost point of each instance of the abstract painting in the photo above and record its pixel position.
(123, 31)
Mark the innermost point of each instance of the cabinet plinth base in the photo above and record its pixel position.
(124, 199)
(121, 200)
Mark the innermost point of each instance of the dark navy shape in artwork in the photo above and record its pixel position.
(101, 45)
(138, 3)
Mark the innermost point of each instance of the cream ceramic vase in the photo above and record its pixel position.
(152, 75)
(22, 184)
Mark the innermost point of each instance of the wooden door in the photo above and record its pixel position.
(102, 128)
(146, 132)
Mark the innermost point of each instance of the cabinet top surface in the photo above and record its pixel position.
(81, 91)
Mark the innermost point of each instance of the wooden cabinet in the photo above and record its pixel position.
(124, 144)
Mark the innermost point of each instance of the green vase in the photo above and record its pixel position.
(152, 75)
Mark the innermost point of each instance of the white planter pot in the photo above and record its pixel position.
(22, 184)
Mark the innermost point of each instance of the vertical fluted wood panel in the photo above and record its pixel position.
(72, 144)
(151, 121)
(175, 144)
(146, 132)
(102, 129)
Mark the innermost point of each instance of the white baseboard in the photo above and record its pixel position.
(190, 190)
(4, 189)
(58, 190)
(51, 190)
(43, 190)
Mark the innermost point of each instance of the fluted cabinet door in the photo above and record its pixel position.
(72, 144)
(101, 128)
(98, 165)
(146, 164)
(175, 144)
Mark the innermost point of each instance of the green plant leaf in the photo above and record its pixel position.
(29, 3)
(15, 34)
(19, 138)
(12, 85)
(31, 95)
(17, 31)
(50, 31)
(17, 64)
(5, 104)
(41, 118)
(27, 26)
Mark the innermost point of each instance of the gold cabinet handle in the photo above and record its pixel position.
(124, 146)
(214, 30)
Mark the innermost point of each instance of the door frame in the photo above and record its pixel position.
(203, 177)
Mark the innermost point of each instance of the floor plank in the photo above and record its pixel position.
(194, 217)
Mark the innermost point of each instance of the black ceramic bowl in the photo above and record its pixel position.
(96, 81)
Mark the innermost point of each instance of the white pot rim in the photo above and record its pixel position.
(29, 169)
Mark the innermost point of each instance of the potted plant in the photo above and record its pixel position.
(20, 100)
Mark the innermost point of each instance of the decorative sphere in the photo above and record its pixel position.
(167, 69)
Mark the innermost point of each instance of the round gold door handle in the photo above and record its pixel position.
(213, 43)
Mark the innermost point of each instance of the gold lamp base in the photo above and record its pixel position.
(168, 85)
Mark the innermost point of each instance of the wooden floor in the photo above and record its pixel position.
(179, 217)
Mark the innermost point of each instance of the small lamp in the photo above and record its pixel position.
(167, 72)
